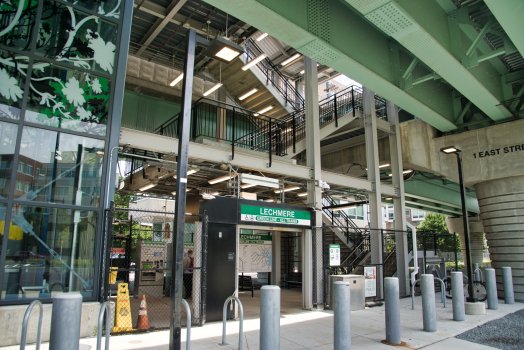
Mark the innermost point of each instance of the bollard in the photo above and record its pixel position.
(269, 318)
(476, 272)
(491, 289)
(342, 315)
(392, 302)
(507, 279)
(429, 313)
(105, 310)
(241, 325)
(65, 322)
(457, 293)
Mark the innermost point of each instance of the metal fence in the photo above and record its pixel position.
(138, 250)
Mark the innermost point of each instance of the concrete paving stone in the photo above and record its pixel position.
(414, 338)
(454, 343)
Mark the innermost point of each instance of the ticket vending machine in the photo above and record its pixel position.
(150, 262)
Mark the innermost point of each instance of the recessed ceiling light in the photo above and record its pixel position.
(291, 59)
(247, 94)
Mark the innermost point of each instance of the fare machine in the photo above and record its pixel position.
(150, 256)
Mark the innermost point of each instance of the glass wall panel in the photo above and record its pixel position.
(17, 19)
(71, 36)
(68, 99)
(108, 8)
(8, 134)
(49, 251)
(12, 76)
(65, 168)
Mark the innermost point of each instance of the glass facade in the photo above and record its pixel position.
(57, 70)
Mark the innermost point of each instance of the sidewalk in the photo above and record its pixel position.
(314, 330)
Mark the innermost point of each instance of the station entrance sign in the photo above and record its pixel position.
(275, 215)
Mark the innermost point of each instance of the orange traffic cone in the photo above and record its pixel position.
(143, 321)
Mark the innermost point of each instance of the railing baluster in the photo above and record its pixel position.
(335, 109)
(353, 100)
(294, 133)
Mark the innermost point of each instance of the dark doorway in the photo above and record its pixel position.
(221, 259)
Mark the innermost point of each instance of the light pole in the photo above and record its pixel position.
(458, 152)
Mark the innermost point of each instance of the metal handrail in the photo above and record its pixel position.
(241, 330)
(26, 320)
(188, 322)
(105, 307)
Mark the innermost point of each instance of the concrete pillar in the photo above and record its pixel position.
(276, 252)
(476, 237)
(314, 196)
(501, 204)
(399, 203)
(375, 200)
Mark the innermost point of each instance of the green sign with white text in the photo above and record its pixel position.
(275, 215)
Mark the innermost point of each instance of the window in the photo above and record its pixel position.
(356, 213)
(27, 187)
(21, 167)
(19, 186)
(29, 169)
(417, 214)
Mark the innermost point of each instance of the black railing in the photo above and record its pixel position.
(339, 218)
(273, 75)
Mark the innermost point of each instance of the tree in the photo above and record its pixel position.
(437, 224)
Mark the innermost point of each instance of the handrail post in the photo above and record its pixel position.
(188, 327)
(353, 100)
(26, 320)
(270, 143)
(241, 326)
(335, 109)
(105, 309)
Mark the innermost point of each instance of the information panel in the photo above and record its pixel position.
(370, 275)
(334, 255)
(255, 253)
(275, 215)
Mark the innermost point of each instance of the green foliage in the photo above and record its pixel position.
(437, 223)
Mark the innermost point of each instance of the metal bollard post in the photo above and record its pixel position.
(342, 315)
(491, 289)
(476, 272)
(392, 301)
(270, 318)
(457, 292)
(105, 309)
(65, 322)
(507, 279)
(429, 312)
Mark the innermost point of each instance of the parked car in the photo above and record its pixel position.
(24, 255)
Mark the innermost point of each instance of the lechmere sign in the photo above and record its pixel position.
(275, 215)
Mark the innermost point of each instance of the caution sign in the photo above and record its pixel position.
(123, 321)
(334, 255)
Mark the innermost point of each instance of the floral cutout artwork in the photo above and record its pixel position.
(11, 84)
(17, 19)
(108, 8)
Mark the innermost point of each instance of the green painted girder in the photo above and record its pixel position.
(333, 34)
(422, 28)
(510, 14)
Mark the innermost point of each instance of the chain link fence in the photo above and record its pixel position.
(136, 263)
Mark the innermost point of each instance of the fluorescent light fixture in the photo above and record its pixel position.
(268, 108)
(189, 172)
(227, 54)
(404, 172)
(349, 206)
(213, 88)
(288, 189)
(174, 192)
(147, 187)
(100, 153)
(177, 80)
(247, 94)
(207, 196)
(389, 198)
(384, 165)
(248, 186)
(451, 149)
(262, 36)
(259, 181)
(291, 59)
(269, 200)
(303, 70)
(253, 62)
(219, 179)
(303, 194)
(222, 49)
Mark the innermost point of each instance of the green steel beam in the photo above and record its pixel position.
(423, 30)
(333, 34)
(510, 14)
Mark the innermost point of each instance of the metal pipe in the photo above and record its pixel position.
(270, 318)
(491, 289)
(342, 315)
(429, 312)
(507, 279)
(105, 307)
(457, 292)
(26, 320)
(188, 327)
(65, 321)
(241, 326)
(392, 301)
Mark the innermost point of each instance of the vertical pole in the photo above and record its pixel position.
(294, 133)
(65, 321)
(269, 318)
(507, 279)
(270, 143)
(429, 312)
(353, 99)
(392, 301)
(469, 267)
(457, 293)
(342, 315)
(180, 205)
(491, 289)
(233, 135)
(335, 109)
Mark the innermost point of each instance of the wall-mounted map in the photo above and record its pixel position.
(255, 253)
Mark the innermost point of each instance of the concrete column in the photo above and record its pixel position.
(314, 197)
(276, 253)
(372, 161)
(476, 237)
(399, 203)
(501, 204)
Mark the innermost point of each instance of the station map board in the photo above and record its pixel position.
(255, 253)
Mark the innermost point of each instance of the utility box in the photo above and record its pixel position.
(150, 255)
(356, 290)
